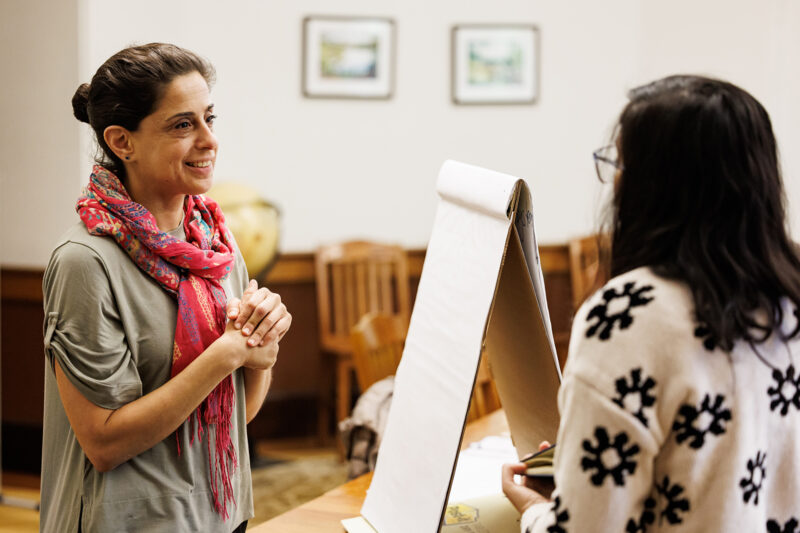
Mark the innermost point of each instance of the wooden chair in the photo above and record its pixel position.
(586, 255)
(377, 347)
(484, 397)
(353, 279)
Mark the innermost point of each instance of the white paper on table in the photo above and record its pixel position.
(478, 469)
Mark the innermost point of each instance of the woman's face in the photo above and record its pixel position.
(174, 148)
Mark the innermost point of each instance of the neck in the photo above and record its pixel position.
(168, 215)
(168, 211)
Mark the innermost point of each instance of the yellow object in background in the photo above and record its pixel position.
(254, 222)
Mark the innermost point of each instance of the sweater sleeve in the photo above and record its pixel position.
(604, 467)
(609, 435)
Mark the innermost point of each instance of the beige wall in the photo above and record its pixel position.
(753, 44)
(40, 159)
(332, 165)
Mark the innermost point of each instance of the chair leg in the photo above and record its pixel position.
(344, 387)
(326, 382)
(344, 383)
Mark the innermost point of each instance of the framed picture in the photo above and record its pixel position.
(495, 64)
(348, 57)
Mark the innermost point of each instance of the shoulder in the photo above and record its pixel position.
(637, 320)
(636, 338)
(76, 245)
(631, 304)
(80, 258)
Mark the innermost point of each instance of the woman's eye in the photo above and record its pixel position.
(210, 119)
(182, 125)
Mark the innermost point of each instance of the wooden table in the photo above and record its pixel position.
(325, 513)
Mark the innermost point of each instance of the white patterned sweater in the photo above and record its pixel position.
(663, 431)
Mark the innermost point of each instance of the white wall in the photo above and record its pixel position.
(345, 169)
(39, 140)
(755, 45)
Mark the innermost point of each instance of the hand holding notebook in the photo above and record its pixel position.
(540, 464)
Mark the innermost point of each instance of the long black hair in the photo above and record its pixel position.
(700, 199)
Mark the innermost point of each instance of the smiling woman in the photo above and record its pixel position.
(154, 338)
(172, 152)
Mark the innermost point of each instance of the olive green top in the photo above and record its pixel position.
(111, 328)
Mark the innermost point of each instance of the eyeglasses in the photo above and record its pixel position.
(606, 163)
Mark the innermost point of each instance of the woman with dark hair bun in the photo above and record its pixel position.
(159, 351)
(680, 405)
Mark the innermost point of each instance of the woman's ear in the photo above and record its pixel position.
(119, 140)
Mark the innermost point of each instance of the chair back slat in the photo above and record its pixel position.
(377, 341)
(485, 398)
(587, 256)
(355, 278)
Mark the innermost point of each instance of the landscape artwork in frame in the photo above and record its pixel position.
(496, 64)
(348, 57)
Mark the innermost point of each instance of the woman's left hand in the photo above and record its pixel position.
(260, 314)
(521, 496)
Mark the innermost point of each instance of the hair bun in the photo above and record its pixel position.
(80, 103)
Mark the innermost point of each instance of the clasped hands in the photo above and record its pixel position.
(261, 320)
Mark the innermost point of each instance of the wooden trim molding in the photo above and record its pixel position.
(299, 267)
(17, 284)
(21, 285)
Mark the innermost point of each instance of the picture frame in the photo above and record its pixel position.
(348, 57)
(495, 64)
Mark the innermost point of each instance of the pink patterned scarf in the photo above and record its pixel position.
(191, 271)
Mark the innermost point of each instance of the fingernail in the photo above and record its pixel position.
(251, 341)
(237, 326)
(246, 330)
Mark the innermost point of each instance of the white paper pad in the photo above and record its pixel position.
(478, 469)
(481, 293)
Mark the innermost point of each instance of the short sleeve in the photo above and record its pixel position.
(83, 330)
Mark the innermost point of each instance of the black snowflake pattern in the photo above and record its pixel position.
(562, 516)
(639, 387)
(779, 394)
(752, 484)
(773, 526)
(709, 340)
(635, 298)
(676, 504)
(647, 518)
(594, 461)
(690, 414)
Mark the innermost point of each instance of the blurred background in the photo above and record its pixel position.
(338, 170)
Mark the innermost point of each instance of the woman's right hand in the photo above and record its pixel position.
(259, 314)
(530, 492)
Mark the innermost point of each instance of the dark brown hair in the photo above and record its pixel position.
(700, 199)
(128, 87)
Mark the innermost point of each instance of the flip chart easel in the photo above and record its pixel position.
(481, 293)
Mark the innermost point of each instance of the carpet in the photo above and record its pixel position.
(285, 485)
